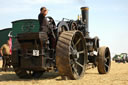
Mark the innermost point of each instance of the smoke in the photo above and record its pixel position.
(81, 2)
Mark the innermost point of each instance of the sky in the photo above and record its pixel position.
(108, 19)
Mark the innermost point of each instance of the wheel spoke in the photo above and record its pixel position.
(73, 45)
(105, 60)
(79, 64)
(75, 70)
(77, 41)
(81, 52)
(107, 57)
(106, 65)
(71, 48)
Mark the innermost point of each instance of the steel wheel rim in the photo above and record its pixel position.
(107, 60)
(77, 54)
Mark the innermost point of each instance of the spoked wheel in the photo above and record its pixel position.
(27, 74)
(71, 54)
(62, 26)
(104, 60)
(73, 25)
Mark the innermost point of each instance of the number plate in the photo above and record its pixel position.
(35, 52)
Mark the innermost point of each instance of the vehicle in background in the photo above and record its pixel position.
(126, 58)
(123, 57)
(116, 58)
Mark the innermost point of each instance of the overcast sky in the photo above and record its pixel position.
(108, 19)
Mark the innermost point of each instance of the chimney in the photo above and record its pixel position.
(84, 11)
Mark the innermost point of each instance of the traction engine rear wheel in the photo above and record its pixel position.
(104, 60)
(71, 54)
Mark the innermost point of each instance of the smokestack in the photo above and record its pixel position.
(84, 11)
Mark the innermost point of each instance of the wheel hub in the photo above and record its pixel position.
(75, 53)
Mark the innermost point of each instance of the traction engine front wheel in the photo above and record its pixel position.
(104, 60)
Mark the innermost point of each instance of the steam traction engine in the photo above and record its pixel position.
(68, 48)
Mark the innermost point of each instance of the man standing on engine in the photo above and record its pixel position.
(44, 27)
(42, 20)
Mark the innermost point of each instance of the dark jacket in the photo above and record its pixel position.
(43, 23)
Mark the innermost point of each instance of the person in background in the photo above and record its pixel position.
(10, 41)
(5, 53)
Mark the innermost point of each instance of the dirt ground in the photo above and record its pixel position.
(118, 75)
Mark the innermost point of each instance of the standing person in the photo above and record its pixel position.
(44, 27)
(42, 20)
(5, 52)
(10, 41)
